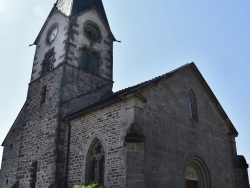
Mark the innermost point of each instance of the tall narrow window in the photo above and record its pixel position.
(48, 61)
(89, 61)
(43, 94)
(96, 163)
(33, 174)
(84, 60)
(93, 63)
(192, 109)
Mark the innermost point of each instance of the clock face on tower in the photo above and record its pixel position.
(52, 34)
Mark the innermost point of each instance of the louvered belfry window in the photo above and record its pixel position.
(93, 62)
(85, 60)
(89, 61)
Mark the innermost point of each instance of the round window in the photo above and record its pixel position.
(52, 33)
(92, 32)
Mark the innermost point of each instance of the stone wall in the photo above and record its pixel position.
(135, 165)
(38, 141)
(106, 125)
(11, 152)
(241, 174)
(80, 89)
(172, 138)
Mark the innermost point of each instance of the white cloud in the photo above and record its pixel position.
(38, 10)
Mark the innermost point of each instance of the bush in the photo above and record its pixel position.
(90, 185)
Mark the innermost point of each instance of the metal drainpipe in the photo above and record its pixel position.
(67, 158)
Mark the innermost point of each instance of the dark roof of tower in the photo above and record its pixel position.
(82, 5)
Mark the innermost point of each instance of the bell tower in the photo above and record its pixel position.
(72, 69)
(77, 37)
(76, 32)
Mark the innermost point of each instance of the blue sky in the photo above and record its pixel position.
(157, 37)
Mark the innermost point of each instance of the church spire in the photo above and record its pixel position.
(73, 7)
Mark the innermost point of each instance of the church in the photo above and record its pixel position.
(167, 132)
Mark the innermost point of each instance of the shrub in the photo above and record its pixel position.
(90, 185)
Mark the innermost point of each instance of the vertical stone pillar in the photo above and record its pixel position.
(135, 165)
(241, 174)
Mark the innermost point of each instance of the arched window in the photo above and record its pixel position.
(89, 61)
(192, 109)
(48, 62)
(84, 60)
(96, 162)
(93, 63)
(196, 174)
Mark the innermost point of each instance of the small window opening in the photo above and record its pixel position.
(192, 109)
(43, 94)
(7, 181)
(48, 61)
(33, 174)
(11, 146)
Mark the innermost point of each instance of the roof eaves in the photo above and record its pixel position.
(106, 25)
(99, 104)
(54, 9)
(221, 111)
(143, 85)
(21, 111)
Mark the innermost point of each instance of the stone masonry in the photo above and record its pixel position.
(168, 132)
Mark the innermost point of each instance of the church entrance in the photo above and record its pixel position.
(196, 174)
(191, 184)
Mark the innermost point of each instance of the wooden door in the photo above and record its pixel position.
(191, 184)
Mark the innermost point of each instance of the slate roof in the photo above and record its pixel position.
(81, 5)
(118, 96)
(115, 97)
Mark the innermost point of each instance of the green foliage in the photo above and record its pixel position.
(90, 185)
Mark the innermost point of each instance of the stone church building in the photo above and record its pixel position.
(168, 132)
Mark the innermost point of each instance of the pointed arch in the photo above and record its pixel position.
(95, 162)
(93, 63)
(134, 133)
(192, 107)
(196, 173)
(84, 64)
(89, 61)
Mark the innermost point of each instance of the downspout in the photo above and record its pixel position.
(67, 157)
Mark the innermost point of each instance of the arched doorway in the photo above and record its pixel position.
(196, 174)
